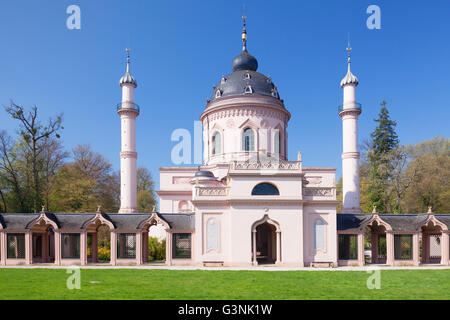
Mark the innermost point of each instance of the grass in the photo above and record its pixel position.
(30, 283)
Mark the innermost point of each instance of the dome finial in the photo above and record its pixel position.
(128, 78)
(349, 78)
(349, 51)
(244, 31)
(128, 59)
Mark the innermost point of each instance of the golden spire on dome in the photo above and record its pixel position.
(244, 31)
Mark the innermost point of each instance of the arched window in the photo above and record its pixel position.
(277, 141)
(216, 143)
(265, 189)
(319, 234)
(248, 140)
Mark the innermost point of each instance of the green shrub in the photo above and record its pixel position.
(156, 249)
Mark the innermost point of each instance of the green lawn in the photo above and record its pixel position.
(197, 284)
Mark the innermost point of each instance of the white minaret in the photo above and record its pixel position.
(349, 113)
(128, 111)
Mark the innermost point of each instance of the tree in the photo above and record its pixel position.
(393, 166)
(85, 183)
(53, 157)
(33, 135)
(430, 163)
(11, 176)
(383, 140)
(145, 197)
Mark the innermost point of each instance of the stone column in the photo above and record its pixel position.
(29, 247)
(113, 255)
(83, 248)
(57, 247)
(168, 248)
(139, 248)
(3, 248)
(254, 261)
(445, 248)
(361, 249)
(278, 248)
(390, 249)
(416, 246)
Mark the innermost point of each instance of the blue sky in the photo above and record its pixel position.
(180, 49)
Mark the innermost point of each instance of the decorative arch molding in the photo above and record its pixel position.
(43, 219)
(376, 218)
(153, 220)
(216, 127)
(98, 220)
(432, 219)
(265, 219)
(249, 124)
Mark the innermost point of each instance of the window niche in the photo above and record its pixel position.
(212, 235)
(319, 234)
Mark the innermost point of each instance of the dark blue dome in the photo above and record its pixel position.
(244, 61)
(204, 173)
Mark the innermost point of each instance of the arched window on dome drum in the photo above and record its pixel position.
(216, 143)
(248, 140)
(265, 189)
(277, 142)
(319, 234)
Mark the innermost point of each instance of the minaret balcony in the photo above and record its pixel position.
(125, 106)
(355, 106)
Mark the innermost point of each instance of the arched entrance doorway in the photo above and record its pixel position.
(154, 234)
(266, 242)
(432, 246)
(100, 242)
(43, 240)
(376, 240)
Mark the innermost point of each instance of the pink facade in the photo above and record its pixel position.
(246, 205)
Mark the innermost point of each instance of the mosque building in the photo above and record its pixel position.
(246, 205)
